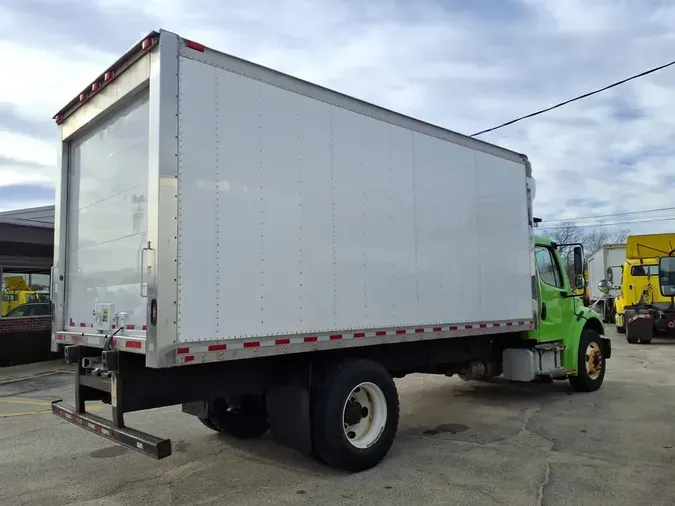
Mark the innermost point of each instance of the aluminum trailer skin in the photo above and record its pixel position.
(270, 254)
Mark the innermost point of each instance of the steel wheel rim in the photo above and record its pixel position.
(593, 361)
(365, 432)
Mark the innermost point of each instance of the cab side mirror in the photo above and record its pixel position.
(667, 276)
(603, 286)
(578, 261)
(579, 282)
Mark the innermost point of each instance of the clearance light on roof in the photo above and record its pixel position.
(194, 45)
(83, 96)
(59, 119)
(95, 87)
(108, 76)
(147, 44)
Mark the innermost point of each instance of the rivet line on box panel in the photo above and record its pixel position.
(417, 255)
(300, 216)
(217, 174)
(262, 210)
(333, 209)
(363, 223)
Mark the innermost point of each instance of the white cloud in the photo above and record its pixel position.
(442, 61)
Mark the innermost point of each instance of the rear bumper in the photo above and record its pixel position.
(140, 441)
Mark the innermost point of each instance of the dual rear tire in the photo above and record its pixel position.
(354, 415)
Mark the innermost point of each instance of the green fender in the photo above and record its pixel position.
(589, 320)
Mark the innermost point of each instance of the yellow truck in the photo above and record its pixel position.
(17, 292)
(641, 308)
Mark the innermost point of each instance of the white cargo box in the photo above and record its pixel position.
(213, 209)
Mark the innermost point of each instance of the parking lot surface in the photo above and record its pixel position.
(459, 443)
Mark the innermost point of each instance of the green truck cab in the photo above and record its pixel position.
(563, 320)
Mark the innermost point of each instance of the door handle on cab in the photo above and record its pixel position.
(543, 310)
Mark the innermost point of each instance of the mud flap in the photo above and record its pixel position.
(640, 326)
(288, 407)
(606, 347)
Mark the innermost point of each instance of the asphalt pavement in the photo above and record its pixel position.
(459, 443)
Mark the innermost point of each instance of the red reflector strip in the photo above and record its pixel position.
(380, 333)
(282, 342)
(77, 339)
(182, 351)
(468, 327)
(336, 337)
(131, 327)
(195, 45)
(359, 335)
(521, 323)
(134, 344)
(400, 332)
(144, 327)
(188, 358)
(311, 339)
(483, 325)
(217, 347)
(252, 344)
(59, 337)
(82, 324)
(496, 324)
(419, 331)
(509, 324)
(453, 328)
(438, 329)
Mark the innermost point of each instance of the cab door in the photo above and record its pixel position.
(555, 305)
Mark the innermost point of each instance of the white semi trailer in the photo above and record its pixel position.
(270, 254)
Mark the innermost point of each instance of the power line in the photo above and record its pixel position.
(614, 224)
(580, 97)
(612, 215)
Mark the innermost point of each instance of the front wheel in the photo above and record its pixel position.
(355, 415)
(592, 362)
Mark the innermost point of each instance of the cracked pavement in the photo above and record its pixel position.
(458, 443)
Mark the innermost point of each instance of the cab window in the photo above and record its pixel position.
(644, 270)
(548, 269)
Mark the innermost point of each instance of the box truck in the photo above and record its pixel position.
(604, 279)
(271, 254)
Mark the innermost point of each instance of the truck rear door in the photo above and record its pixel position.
(107, 224)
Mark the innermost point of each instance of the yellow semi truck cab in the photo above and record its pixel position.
(640, 306)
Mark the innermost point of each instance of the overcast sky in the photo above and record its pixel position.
(463, 64)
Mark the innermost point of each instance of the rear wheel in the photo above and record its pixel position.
(355, 413)
(591, 363)
(248, 419)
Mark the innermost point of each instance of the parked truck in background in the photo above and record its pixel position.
(271, 254)
(604, 279)
(641, 308)
(16, 292)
